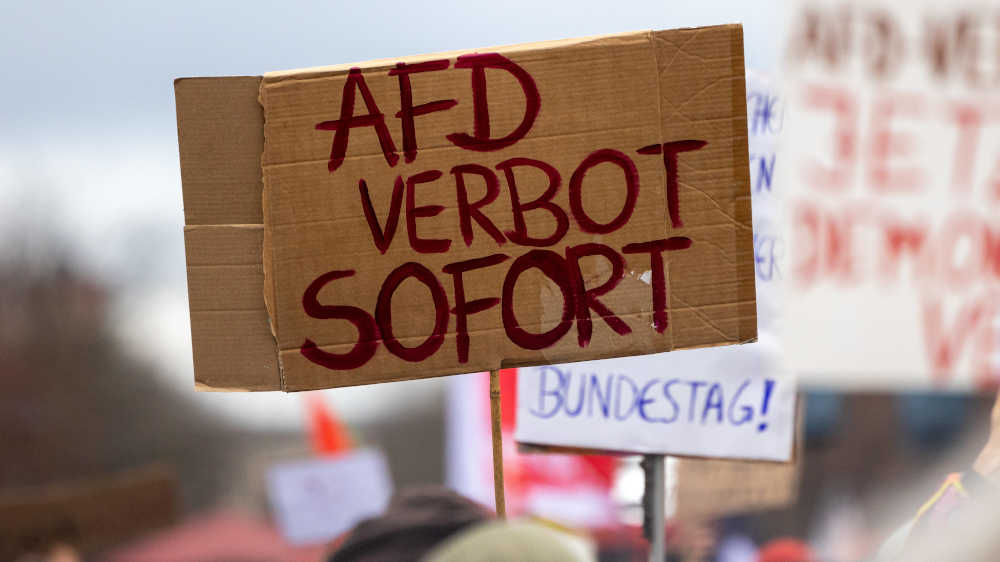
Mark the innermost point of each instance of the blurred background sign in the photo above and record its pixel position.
(315, 500)
(890, 149)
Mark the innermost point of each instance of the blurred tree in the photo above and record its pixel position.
(74, 405)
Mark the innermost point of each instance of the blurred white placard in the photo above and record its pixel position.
(723, 404)
(891, 172)
(316, 500)
(765, 118)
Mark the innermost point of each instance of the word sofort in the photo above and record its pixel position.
(561, 267)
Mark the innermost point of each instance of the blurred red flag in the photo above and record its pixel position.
(328, 435)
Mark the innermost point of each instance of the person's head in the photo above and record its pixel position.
(417, 520)
(500, 541)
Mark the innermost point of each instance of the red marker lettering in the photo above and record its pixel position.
(348, 121)
(480, 140)
(464, 308)
(655, 249)
(364, 348)
(467, 212)
(553, 266)
(544, 201)
(407, 110)
(382, 237)
(670, 150)
(422, 245)
(588, 224)
(383, 312)
(586, 299)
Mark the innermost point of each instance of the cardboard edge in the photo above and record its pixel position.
(205, 387)
(388, 63)
(267, 249)
(746, 274)
(532, 448)
(242, 88)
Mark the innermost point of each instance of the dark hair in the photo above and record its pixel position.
(416, 521)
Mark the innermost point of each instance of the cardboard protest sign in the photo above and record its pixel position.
(316, 500)
(90, 516)
(890, 152)
(727, 404)
(452, 213)
(709, 488)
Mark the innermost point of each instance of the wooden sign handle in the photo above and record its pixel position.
(497, 444)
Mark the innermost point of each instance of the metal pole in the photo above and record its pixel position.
(653, 503)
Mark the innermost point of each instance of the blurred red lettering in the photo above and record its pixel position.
(887, 143)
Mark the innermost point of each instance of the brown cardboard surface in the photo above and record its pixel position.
(709, 488)
(220, 134)
(90, 516)
(621, 92)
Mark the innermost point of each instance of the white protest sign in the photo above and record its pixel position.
(890, 171)
(719, 404)
(316, 500)
(765, 119)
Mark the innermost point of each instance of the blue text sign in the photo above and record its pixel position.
(729, 403)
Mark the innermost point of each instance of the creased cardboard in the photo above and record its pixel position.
(220, 135)
(519, 157)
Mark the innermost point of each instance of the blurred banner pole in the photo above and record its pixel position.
(497, 444)
(653, 506)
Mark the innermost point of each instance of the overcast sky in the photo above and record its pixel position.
(88, 144)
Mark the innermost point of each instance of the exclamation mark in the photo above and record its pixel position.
(768, 387)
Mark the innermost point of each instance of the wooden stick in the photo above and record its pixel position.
(497, 444)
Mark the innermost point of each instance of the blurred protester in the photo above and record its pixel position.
(416, 521)
(500, 541)
(958, 521)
